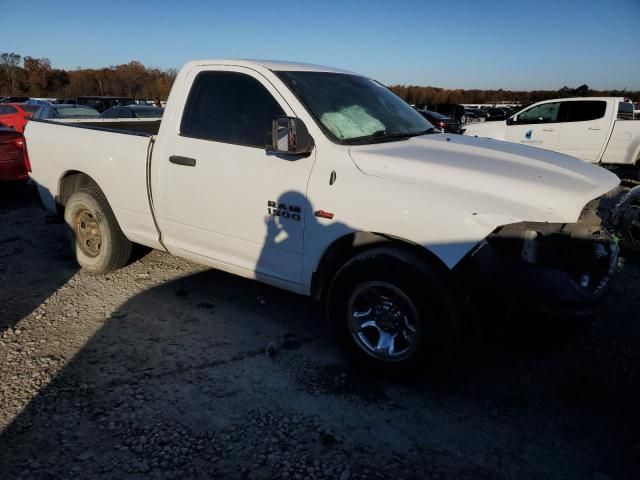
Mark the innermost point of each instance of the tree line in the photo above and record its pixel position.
(35, 77)
(415, 94)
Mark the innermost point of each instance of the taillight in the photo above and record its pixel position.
(14, 150)
(25, 154)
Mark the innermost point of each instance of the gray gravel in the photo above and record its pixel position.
(166, 369)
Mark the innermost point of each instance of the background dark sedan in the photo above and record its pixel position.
(444, 123)
(495, 114)
(133, 111)
(451, 110)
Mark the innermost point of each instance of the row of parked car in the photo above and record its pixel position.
(593, 129)
(100, 103)
(451, 118)
(16, 114)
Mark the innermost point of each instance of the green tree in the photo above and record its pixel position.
(9, 63)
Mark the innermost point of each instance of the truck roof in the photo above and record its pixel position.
(274, 65)
(571, 99)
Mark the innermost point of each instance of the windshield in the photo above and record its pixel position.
(353, 109)
(75, 112)
(30, 108)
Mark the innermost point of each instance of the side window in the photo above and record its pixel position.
(625, 111)
(229, 107)
(111, 113)
(583, 110)
(545, 113)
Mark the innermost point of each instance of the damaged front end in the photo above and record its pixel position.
(561, 268)
(624, 218)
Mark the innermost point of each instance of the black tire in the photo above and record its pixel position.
(430, 321)
(96, 238)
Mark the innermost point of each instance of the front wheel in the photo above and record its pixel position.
(96, 238)
(392, 312)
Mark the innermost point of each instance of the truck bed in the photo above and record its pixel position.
(623, 147)
(130, 126)
(113, 154)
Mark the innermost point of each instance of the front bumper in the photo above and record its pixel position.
(560, 269)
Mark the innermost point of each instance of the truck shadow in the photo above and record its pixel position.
(197, 376)
(213, 376)
(35, 259)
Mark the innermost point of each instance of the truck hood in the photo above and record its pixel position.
(503, 181)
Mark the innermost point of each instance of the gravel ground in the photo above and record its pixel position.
(166, 369)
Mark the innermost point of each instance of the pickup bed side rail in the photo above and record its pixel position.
(140, 127)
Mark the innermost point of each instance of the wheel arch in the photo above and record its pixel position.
(346, 247)
(71, 182)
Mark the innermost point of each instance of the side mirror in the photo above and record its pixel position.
(512, 120)
(289, 135)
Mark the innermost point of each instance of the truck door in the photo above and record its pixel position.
(222, 199)
(537, 126)
(585, 128)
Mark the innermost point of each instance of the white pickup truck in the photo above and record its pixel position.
(325, 183)
(593, 129)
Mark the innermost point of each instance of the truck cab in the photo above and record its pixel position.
(593, 129)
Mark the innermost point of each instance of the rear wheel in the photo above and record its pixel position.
(392, 312)
(96, 238)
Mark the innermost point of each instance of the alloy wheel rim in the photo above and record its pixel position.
(383, 321)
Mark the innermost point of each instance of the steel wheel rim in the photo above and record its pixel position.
(383, 321)
(88, 235)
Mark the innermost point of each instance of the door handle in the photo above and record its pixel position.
(593, 128)
(548, 129)
(186, 161)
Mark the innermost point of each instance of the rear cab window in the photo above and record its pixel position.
(625, 111)
(583, 110)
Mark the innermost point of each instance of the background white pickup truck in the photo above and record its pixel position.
(593, 129)
(325, 183)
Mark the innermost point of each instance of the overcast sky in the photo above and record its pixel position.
(516, 44)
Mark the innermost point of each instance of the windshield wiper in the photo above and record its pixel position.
(389, 134)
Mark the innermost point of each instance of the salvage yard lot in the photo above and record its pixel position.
(168, 369)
